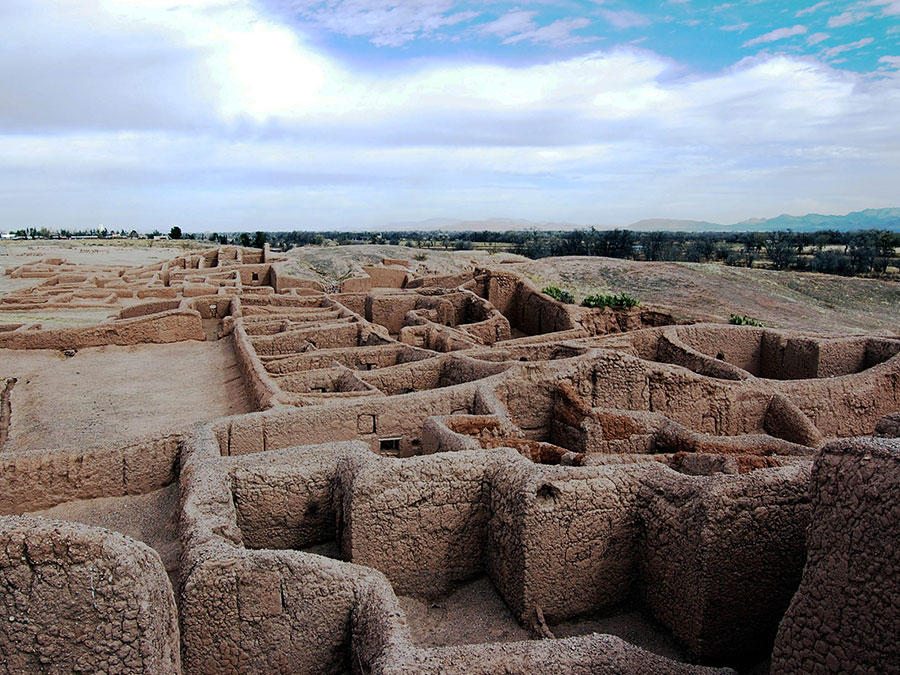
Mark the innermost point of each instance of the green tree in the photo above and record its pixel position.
(175, 232)
(245, 239)
(259, 240)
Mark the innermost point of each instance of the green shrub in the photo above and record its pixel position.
(559, 294)
(620, 301)
(743, 320)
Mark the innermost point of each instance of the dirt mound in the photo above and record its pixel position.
(794, 300)
(333, 264)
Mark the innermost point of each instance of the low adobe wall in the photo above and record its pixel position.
(422, 526)
(282, 281)
(376, 277)
(720, 557)
(146, 308)
(250, 610)
(172, 326)
(845, 617)
(259, 385)
(83, 599)
(38, 479)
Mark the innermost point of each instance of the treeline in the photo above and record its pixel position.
(870, 252)
(859, 253)
(831, 252)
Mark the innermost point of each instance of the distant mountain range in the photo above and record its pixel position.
(869, 219)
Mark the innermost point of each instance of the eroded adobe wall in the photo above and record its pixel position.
(366, 419)
(527, 310)
(361, 358)
(261, 389)
(145, 308)
(420, 521)
(171, 326)
(253, 610)
(562, 539)
(267, 611)
(721, 556)
(284, 499)
(83, 599)
(385, 277)
(39, 479)
(845, 616)
(847, 405)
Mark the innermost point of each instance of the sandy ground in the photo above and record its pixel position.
(476, 613)
(94, 252)
(151, 518)
(111, 394)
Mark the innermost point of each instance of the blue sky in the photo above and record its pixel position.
(306, 114)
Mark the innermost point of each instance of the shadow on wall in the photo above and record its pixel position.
(558, 542)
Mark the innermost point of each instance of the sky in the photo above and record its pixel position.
(233, 115)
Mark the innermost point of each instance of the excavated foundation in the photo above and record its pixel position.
(449, 475)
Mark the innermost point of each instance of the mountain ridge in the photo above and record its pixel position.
(867, 219)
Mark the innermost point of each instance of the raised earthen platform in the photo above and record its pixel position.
(239, 472)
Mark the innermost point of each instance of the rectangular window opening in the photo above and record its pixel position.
(389, 445)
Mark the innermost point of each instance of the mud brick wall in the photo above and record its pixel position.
(267, 611)
(845, 616)
(720, 557)
(562, 539)
(284, 499)
(82, 599)
(39, 479)
(421, 521)
(171, 326)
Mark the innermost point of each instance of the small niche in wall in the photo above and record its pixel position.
(365, 424)
(254, 276)
(389, 446)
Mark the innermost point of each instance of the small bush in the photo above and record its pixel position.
(420, 257)
(559, 294)
(620, 301)
(739, 320)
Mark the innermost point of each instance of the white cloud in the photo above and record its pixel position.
(385, 22)
(814, 8)
(737, 27)
(624, 18)
(840, 49)
(889, 7)
(509, 23)
(777, 34)
(232, 121)
(557, 33)
(847, 18)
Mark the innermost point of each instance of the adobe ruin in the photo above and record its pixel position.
(389, 444)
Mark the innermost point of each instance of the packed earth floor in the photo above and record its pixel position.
(240, 470)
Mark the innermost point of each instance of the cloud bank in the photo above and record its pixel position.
(219, 115)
